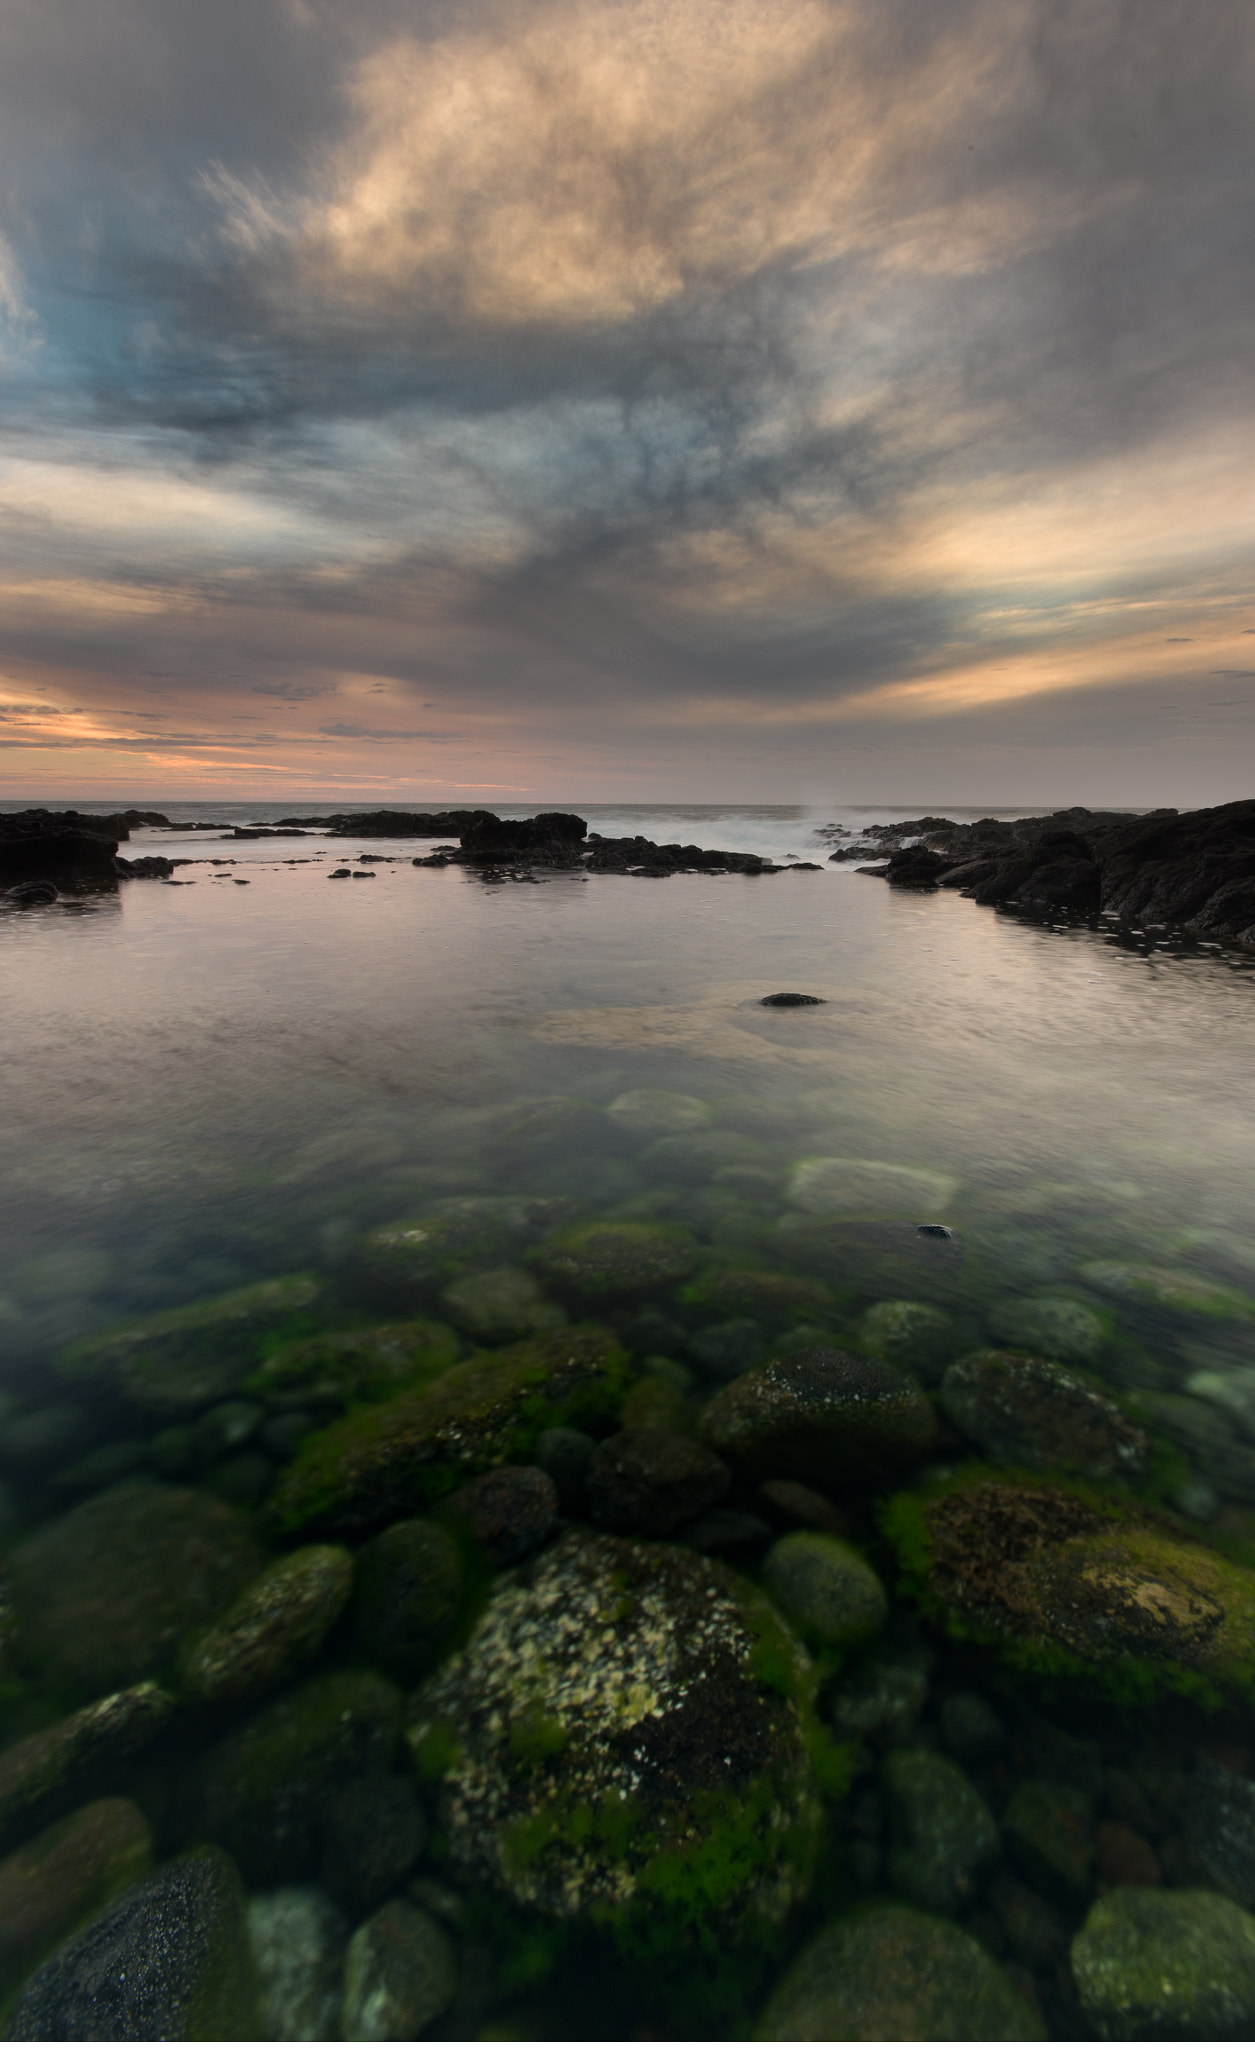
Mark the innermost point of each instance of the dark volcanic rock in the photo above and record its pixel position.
(554, 837)
(150, 867)
(72, 860)
(789, 1001)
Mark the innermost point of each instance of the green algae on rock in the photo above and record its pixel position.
(894, 1974)
(825, 1588)
(821, 1415)
(385, 1463)
(401, 1263)
(1067, 1582)
(1051, 1324)
(51, 1884)
(611, 1262)
(1170, 1289)
(49, 1771)
(497, 1305)
(911, 1334)
(1167, 1966)
(1030, 1411)
(277, 1625)
(346, 1366)
(186, 1358)
(624, 1742)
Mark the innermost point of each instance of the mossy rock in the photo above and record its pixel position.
(893, 1974)
(609, 1262)
(1052, 1325)
(692, 1157)
(400, 1264)
(186, 1358)
(1030, 1411)
(1070, 1583)
(823, 1415)
(277, 1625)
(52, 1770)
(658, 1112)
(346, 1366)
(52, 1884)
(856, 1187)
(1171, 1290)
(104, 1594)
(408, 1590)
(1167, 1966)
(876, 1256)
(775, 1299)
(501, 1304)
(826, 1589)
(624, 1742)
(390, 1462)
(943, 1838)
(910, 1334)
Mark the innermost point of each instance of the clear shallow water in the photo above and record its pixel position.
(210, 1085)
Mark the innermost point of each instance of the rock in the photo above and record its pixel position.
(1167, 1966)
(825, 1588)
(68, 1872)
(384, 1463)
(971, 1728)
(261, 1788)
(656, 1402)
(831, 1187)
(356, 1365)
(225, 1428)
(1027, 1411)
(1065, 1583)
(657, 1112)
(73, 863)
(802, 1504)
(692, 1157)
(150, 867)
(47, 1772)
(564, 1455)
(103, 1467)
(1220, 1830)
(180, 1361)
(167, 1961)
(775, 1299)
(554, 1129)
(608, 1262)
(29, 895)
(284, 1433)
(1049, 1831)
(892, 1974)
(910, 1334)
(622, 1741)
(1167, 1288)
(1208, 1437)
(789, 1001)
(44, 1436)
(1033, 1929)
(501, 1304)
(822, 1415)
(401, 1263)
(104, 1593)
(880, 1256)
(373, 1832)
(244, 1481)
(884, 1696)
(943, 1838)
(511, 1510)
(400, 1975)
(646, 1483)
(297, 1938)
(278, 1624)
(727, 1349)
(407, 1595)
(724, 1529)
(1122, 1856)
(1050, 1325)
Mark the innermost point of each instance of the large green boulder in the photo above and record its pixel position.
(387, 1463)
(1065, 1580)
(277, 1625)
(184, 1359)
(1167, 1966)
(824, 1415)
(167, 1961)
(45, 1773)
(610, 1262)
(943, 1840)
(346, 1366)
(51, 1884)
(623, 1743)
(893, 1974)
(1030, 1411)
(103, 1594)
(400, 1264)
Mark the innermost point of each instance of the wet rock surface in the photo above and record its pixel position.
(646, 1483)
(408, 1589)
(278, 1624)
(1155, 1965)
(1030, 1411)
(820, 1415)
(400, 1975)
(297, 1937)
(893, 1974)
(826, 1589)
(46, 1772)
(511, 1510)
(64, 1875)
(943, 1838)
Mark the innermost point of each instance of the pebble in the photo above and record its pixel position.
(297, 1937)
(400, 1975)
(824, 1587)
(511, 1510)
(373, 1833)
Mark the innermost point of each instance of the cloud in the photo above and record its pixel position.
(344, 729)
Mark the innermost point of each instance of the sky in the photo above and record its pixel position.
(628, 400)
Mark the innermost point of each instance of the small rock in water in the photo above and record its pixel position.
(971, 1728)
(825, 1588)
(911, 1334)
(802, 1504)
(868, 1186)
(608, 1262)
(787, 1000)
(724, 1529)
(1049, 1832)
(297, 1937)
(943, 1838)
(400, 1975)
(1166, 1288)
(69, 1871)
(894, 1974)
(823, 1416)
(645, 1482)
(1167, 1965)
(495, 1306)
(1051, 1325)
(884, 1696)
(278, 1624)
(42, 1775)
(408, 1591)
(1220, 1829)
(726, 1349)
(564, 1455)
(373, 1833)
(512, 1510)
(1122, 1856)
(1028, 1411)
(656, 1111)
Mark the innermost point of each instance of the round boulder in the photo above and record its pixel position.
(606, 1262)
(408, 1591)
(647, 1482)
(912, 1335)
(825, 1588)
(277, 1625)
(821, 1415)
(1029, 1411)
(893, 1974)
(1167, 1966)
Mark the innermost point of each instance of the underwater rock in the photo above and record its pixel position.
(825, 1588)
(879, 1256)
(104, 1593)
(788, 1000)
(610, 1262)
(47, 1772)
(511, 1510)
(644, 1482)
(943, 1840)
(727, 1349)
(355, 1365)
(384, 1463)
(400, 1975)
(692, 1157)
(1122, 1856)
(186, 1358)
(1049, 1831)
(1208, 1437)
(910, 1334)
(777, 1299)
(894, 1974)
(1167, 1288)
(1028, 1411)
(553, 1128)
(373, 1832)
(167, 1961)
(69, 1871)
(830, 1187)
(822, 1415)
(495, 1306)
(1167, 1966)
(297, 1937)
(657, 1112)
(1066, 1583)
(401, 1263)
(277, 1624)
(564, 1455)
(224, 1429)
(1220, 1830)
(1051, 1325)
(971, 1728)
(408, 1591)
(622, 1742)
(261, 1789)
(1033, 1930)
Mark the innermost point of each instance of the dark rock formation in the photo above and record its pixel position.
(72, 861)
(42, 823)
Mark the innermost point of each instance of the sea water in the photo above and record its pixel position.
(212, 1084)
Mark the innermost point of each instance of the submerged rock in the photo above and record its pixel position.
(644, 1482)
(1167, 1966)
(893, 1974)
(373, 1831)
(401, 1263)
(1169, 1289)
(511, 1510)
(622, 1741)
(777, 1299)
(823, 1415)
(657, 1112)
(910, 1334)
(386, 1462)
(1220, 1829)
(400, 1975)
(167, 1961)
(408, 1590)
(884, 1696)
(855, 1187)
(943, 1840)
(1050, 1834)
(104, 1593)
(825, 1588)
(68, 1872)
(355, 1365)
(297, 1938)
(46, 1772)
(609, 1262)
(878, 1255)
(1052, 1325)
(277, 1625)
(186, 1358)
(1029, 1411)
(500, 1304)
